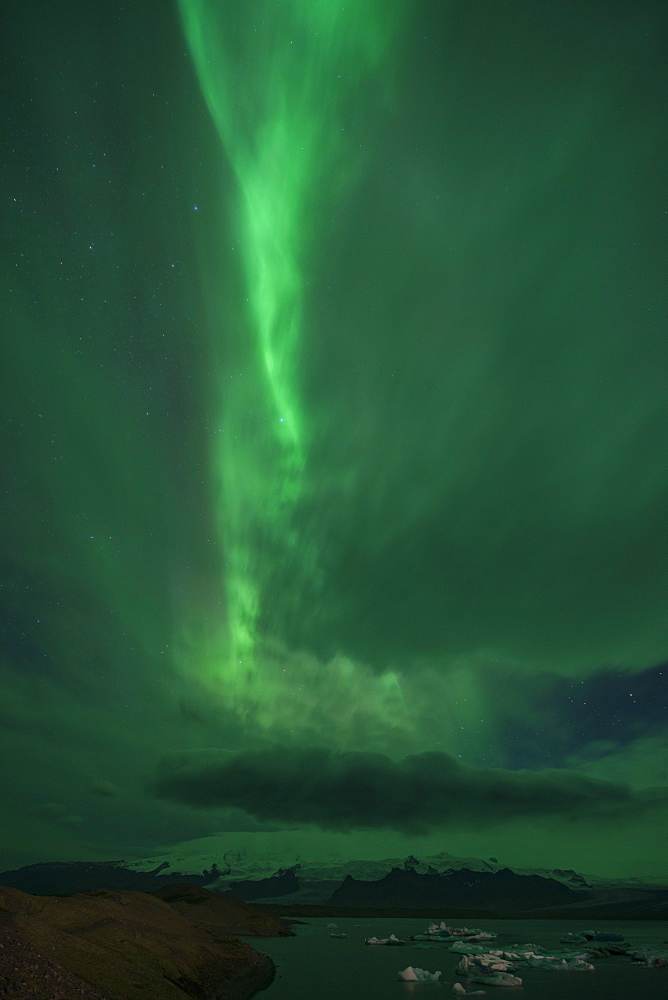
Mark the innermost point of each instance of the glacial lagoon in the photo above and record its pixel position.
(314, 964)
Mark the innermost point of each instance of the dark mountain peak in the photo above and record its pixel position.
(571, 875)
(64, 877)
(160, 868)
(504, 890)
(411, 862)
(292, 869)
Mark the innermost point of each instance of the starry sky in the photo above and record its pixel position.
(333, 423)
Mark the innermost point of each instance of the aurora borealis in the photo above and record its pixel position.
(334, 429)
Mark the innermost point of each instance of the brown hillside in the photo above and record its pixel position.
(130, 946)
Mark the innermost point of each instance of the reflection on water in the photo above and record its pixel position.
(316, 965)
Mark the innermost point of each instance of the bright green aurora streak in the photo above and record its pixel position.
(279, 81)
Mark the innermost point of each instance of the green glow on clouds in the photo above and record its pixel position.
(383, 418)
(278, 81)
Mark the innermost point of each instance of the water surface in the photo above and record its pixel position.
(315, 965)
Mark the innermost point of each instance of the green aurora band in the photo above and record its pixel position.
(280, 83)
(435, 248)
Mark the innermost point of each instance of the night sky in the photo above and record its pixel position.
(335, 475)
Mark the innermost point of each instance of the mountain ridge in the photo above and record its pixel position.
(440, 880)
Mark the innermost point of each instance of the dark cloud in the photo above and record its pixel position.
(342, 791)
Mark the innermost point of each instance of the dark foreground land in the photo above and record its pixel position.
(118, 945)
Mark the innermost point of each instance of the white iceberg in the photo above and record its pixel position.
(570, 963)
(392, 939)
(411, 974)
(475, 934)
(487, 969)
(461, 992)
(338, 935)
(470, 948)
(493, 963)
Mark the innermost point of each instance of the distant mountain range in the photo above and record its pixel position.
(459, 890)
(438, 881)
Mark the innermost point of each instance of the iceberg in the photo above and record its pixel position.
(470, 948)
(442, 930)
(432, 937)
(461, 992)
(582, 936)
(392, 939)
(571, 963)
(488, 969)
(649, 956)
(411, 974)
(501, 959)
(339, 935)
(493, 963)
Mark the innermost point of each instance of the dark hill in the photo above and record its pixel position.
(464, 889)
(60, 878)
(129, 946)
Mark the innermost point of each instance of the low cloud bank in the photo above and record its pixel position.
(343, 791)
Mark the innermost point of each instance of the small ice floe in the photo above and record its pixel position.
(472, 933)
(487, 969)
(581, 936)
(649, 956)
(392, 939)
(461, 992)
(442, 932)
(338, 935)
(483, 962)
(432, 937)
(471, 948)
(560, 963)
(411, 974)
(517, 952)
(332, 925)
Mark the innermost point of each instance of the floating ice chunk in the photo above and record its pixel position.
(441, 932)
(488, 969)
(519, 951)
(580, 936)
(338, 935)
(498, 979)
(392, 939)
(482, 963)
(411, 974)
(332, 925)
(650, 956)
(461, 992)
(443, 938)
(574, 963)
(470, 948)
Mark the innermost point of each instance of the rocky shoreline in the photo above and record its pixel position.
(116, 945)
